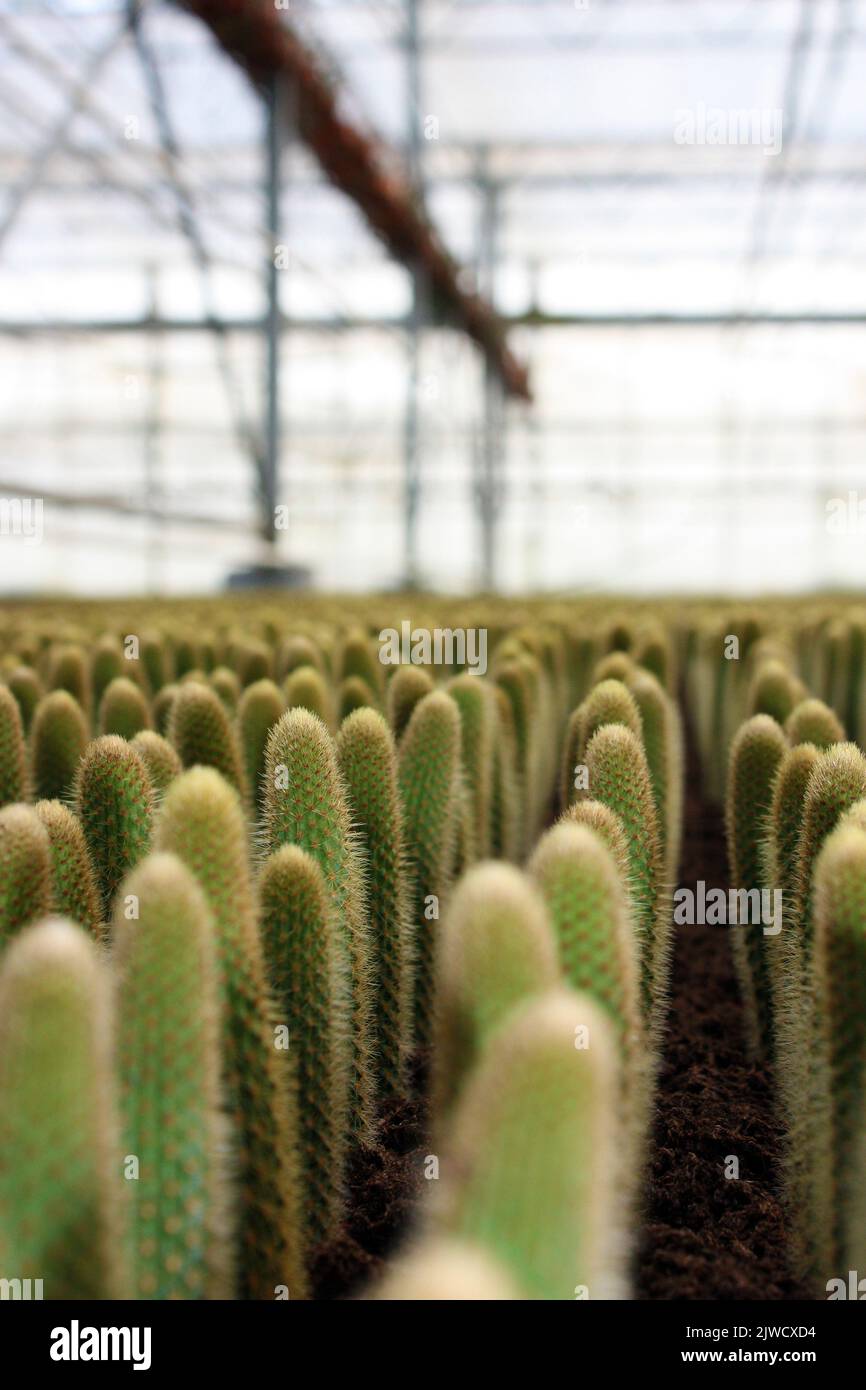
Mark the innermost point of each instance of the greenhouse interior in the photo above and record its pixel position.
(432, 634)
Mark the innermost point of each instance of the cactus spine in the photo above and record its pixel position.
(169, 1070)
(307, 688)
(202, 822)
(406, 687)
(811, 721)
(59, 1165)
(123, 709)
(14, 781)
(200, 730)
(158, 756)
(261, 706)
(475, 706)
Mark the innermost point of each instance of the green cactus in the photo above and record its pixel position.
(618, 777)
(663, 745)
(407, 686)
(440, 1268)
(298, 651)
(154, 661)
(14, 779)
(609, 702)
(261, 707)
(496, 950)
(106, 665)
(504, 792)
(169, 1071)
(368, 764)
(225, 684)
(60, 1178)
(306, 966)
(616, 666)
(200, 730)
(306, 805)
(771, 691)
(162, 703)
(354, 693)
(123, 709)
(25, 869)
(186, 656)
(69, 672)
(838, 1071)
(607, 824)
(27, 689)
(811, 721)
(74, 889)
(307, 688)
(474, 701)
(158, 756)
(429, 779)
(570, 761)
(756, 753)
(202, 822)
(57, 743)
(529, 1173)
(358, 657)
(114, 802)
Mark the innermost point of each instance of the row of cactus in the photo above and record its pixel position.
(795, 806)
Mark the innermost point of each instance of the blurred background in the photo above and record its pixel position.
(524, 294)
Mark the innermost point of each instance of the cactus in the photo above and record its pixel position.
(616, 666)
(14, 780)
(475, 705)
(169, 1072)
(811, 721)
(618, 777)
(609, 702)
(25, 869)
(354, 693)
(300, 933)
(496, 951)
(407, 686)
(529, 1171)
(607, 824)
(440, 1268)
(591, 917)
(260, 708)
(200, 730)
(158, 756)
(74, 889)
(756, 752)
(504, 792)
(771, 692)
(429, 780)
(69, 672)
(106, 665)
(57, 743)
(513, 681)
(663, 745)
(306, 688)
(838, 1073)
(298, 651)
(154, 662)
(225, 684)
(162, 703)
(305, 804)
(123, 709)
(570, 760)
(114, 802)
(358, 658)
(201, 821)
(368, 764)
(27, 689)
(60, 1181)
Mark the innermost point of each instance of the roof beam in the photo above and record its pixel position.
(259, 38)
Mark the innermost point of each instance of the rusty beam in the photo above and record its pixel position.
(262, 41)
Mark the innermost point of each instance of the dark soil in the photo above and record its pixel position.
(708, 1236)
